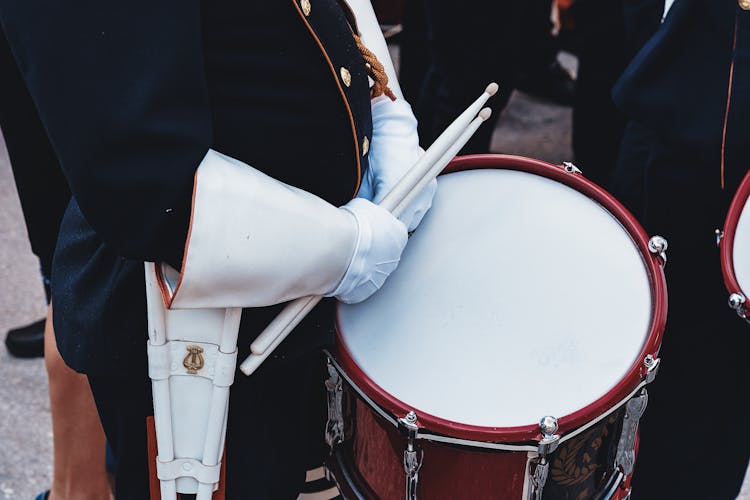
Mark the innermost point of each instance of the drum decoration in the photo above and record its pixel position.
(508, 355)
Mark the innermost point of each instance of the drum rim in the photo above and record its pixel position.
(726, 244)
(633, 376)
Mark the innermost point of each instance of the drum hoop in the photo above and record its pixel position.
(726, 244)
(425, 434)
(567, 423)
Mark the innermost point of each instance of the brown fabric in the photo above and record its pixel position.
(153, 481)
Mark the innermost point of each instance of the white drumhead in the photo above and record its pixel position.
(517, 297)
(741, 250)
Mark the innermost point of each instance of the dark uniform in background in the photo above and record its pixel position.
(687, 93)
(468, 44)
(449, 51)
(41, 186)
(132, 96)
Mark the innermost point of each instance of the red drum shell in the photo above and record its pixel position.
(726, 245)
(369, 464)
(587, 414)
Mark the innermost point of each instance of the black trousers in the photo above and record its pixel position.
(274, 419)
(692, 442)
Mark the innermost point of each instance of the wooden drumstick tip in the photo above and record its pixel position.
(485, 114)
(492, 88)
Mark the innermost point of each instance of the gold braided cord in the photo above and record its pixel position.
(375, 70)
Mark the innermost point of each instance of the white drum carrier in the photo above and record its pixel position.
(192, 356)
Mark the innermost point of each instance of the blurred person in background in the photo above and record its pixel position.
(78, 439)
(448, 50)
(687, 96)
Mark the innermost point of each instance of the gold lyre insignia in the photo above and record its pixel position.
(194, 359)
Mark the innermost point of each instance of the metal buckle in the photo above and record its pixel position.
(652, 367)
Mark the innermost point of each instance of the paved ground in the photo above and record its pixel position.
(527, 127)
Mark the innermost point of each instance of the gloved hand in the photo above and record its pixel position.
(380, 242)
(394, 149)
(255, 241)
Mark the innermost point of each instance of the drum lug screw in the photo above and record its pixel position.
(550, 439)
(658, 245)
(736, 301)
(571, 168)
(539, 467)
(652, 364)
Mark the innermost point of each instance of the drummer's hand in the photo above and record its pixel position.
(380, 242)
(394, 149)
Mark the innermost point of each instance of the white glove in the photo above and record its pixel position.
(255, 241)
(394, 149)
(380, 242)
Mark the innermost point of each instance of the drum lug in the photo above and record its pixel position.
(658, 245)
(335, 393)
(571, 168)
(652, 367)
(737, 303)
(625, 457)
(550, 440)
(539, 468)
(413, 455)
(719, 236)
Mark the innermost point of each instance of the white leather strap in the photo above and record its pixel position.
(168, 360)
(187, 467)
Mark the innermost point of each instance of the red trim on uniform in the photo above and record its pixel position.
(568, 422)
(341, 91)
(726, 245)
(166, 296)
(729, 100)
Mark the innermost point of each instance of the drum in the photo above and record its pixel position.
(507, 356)
(733, 241)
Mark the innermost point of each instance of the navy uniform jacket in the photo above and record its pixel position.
(691, 82)
(133, 94)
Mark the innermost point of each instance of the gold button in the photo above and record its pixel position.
(744, 4)
(306, 7)
(365, 145)
(346, 77)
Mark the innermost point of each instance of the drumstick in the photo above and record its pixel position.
(435, 152)
(444, 161)
(451, 136)
(287, 320)
(431, 157)
(294, 312)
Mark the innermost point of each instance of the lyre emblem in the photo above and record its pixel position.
(194, 359)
